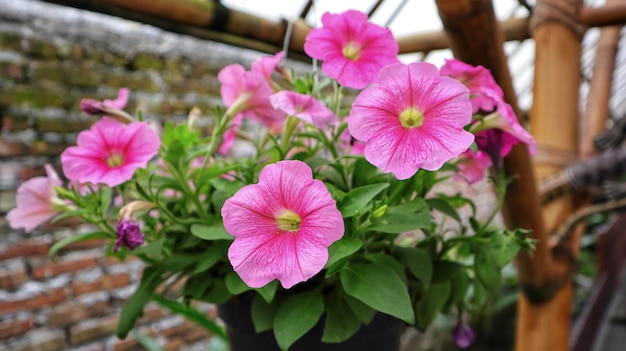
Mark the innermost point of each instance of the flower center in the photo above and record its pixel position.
(411, 118)
(288, 221)
(351, 51)
(115, 160)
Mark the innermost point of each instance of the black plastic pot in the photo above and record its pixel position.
(382, 334)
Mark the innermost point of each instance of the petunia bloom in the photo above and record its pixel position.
(305, 107)
(412, 118)
(266, 65)
(472, 166)
(352, 49)
(484, 91)
(109, 108)
(36, 200)
(282, 225)
(110, 152)
(498, 132)
(247, 93)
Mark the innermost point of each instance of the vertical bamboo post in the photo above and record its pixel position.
(476, 38)
(597, 109)
(545, 327)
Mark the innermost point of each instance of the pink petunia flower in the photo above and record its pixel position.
(110, 152)
(485, 92)
(247, 93)
(266, 65)
(498, 132)
(37, 201)
(472, 166)
(121, 100)
(305, 107)
(109, 108)
(282, 225)
(412, 118)
(352, 49)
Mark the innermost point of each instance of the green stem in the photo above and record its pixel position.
(501, 189)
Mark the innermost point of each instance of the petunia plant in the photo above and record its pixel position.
(308, 186)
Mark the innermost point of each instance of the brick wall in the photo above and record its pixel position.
(50, 58)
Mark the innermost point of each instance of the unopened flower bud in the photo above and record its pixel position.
(379, 212)
(462, 334)
(128, 234)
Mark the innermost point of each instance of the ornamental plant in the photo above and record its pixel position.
(310, 195)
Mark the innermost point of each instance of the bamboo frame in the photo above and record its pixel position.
(205, 19)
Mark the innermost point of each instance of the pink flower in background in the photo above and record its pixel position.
(305, 107)
(282, 225)
(412, 118)
(110, 152)
(498, 132)
(266, 65)
(485, 92)
(247, 93)
(35, 200)
(352, 49)
(472, 166)
(120, 102)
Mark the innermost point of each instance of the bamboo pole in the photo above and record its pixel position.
(597, 109)
(475, 37)
(545, 327)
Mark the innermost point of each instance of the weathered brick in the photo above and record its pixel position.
(10, 148)
(61, 125)
(51, 269)
(143, 61)
(23, 95)
(14, 70)
(9, 41)
(12, 122)
(88, 244)
(13, 275)
(48, 70)
(15, 327)
(42, 340)
(174, 344)
(92, 330)
(31, 247)
(106, 282)
(72, 312)
(44, 299)
(38, 48)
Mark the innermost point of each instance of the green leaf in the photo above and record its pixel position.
(486, 270)
(503, 248)
(217, 292)
(147, 342)
(403, 218)
(192, 315)
(341, 323)
(379, 287)
(444, 270)
(268, 291)
(362, 311)
(105, 198)
(444, 207)
(211, 232)
(263, 313)
(235, 285)
(133, 307)
(228, 187)
(342, 248)
(306, 308)
(210, 257)
(460, 284)
(431, 303)
(359, 198)
(74, 239)
(417, 261)
(389, 261)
